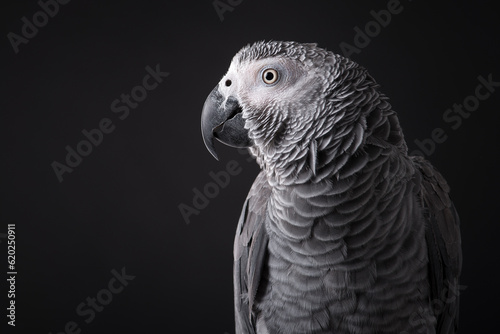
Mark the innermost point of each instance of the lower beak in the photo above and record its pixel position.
(224, 122)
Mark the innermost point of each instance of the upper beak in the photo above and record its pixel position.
(224, 122)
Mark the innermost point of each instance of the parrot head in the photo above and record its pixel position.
(287, 102)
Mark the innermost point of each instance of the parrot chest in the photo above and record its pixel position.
(329, 264)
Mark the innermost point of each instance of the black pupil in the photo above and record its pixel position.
(269, 76)
(228, 82)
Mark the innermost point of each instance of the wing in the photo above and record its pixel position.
(443, 245)
(250, 246)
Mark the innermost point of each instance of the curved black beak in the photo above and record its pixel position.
(223, 122)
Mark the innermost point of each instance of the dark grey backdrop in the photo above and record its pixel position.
(119, 208)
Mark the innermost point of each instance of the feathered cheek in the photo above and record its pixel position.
(249, 112)
(252, 118)
(253, 110)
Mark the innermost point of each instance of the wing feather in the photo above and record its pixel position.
(443, 245)
(250, 248)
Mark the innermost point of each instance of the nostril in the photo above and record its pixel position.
(228, 83)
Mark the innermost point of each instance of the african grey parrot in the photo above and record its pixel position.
(342, 231)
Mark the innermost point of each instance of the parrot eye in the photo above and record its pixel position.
(270, 76)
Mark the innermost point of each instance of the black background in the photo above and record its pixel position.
(119, 207)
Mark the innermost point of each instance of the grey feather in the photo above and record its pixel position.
(250, 246)
(444, 247)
